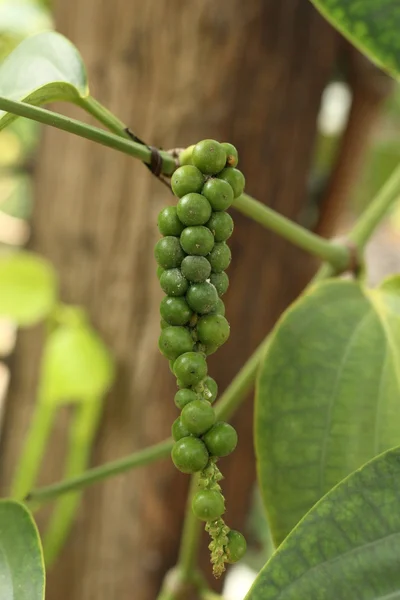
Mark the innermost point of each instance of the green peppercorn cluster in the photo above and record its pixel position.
(192, 258)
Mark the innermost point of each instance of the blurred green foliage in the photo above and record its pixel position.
(18, 19)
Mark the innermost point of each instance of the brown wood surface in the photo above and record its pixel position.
(176, 71)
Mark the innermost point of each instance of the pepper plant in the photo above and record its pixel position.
(327, 416)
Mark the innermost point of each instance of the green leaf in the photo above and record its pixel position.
(43, 68)
(76, 365)
(21, 562)
(327, 396)
(346, 547)
(371, 25)
(28, 287)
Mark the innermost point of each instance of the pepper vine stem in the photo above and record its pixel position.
(338, 256)
(190, 538)
(335, 254)
(88, 132)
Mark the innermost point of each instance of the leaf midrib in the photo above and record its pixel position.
(322, 470)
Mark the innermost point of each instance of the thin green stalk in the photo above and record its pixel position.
(376, 210)
(104, 116)
(241, 384)
(87, 131)
(337, 255)
(190, 538)
(81, 435)
(32, 454)
(210, 595)
(91, 476)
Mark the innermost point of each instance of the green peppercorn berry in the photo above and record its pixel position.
(185, 157)
(220, 281)
(171, 364)
(235, 178)
(197, 240)
(160, 271)
(232, 157)
(189, 455)
(209, 157)
(175, 311)
(236, 546)
(208, 505)
(220, 257)
(178, 431)
(184, 396)
(168, 222)
(219, 309)
(221, 226)
(221, 439)
(198, 417)
(168, 252)
(175, 341)
(196, 268)
(190, 368)
(212, 330)
(218, 193)
(193, 209)
(202, 297)
(163, 324)
(173, 282)
(186, 179)
(210, 389)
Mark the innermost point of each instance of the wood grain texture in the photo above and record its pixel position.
(175, 71)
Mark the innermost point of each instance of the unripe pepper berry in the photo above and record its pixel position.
(218, 193)
(208, 505)
(183, 397)
(220, 281)
(232, 156)
(221, 439)
(220, 257)
(189, 455)
(178, 431)
(196, 268)
(202, 297)
(194, 209)
(219, 309)
(213, 330)
(175, 341)
(168, 252)
(168, 222)
(198, 417)
(235, 178)
(197, 240)
(236, 546)
(209, 156)
(173, 282)
(185, 180)
(175, 311)
(221, 226)
(190, 368)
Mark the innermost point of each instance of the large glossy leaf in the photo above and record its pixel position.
(76, 365)
(347, 547)
(43, 68)
(371, 25)
(21, 561)
(28, 287)
(328, 394)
